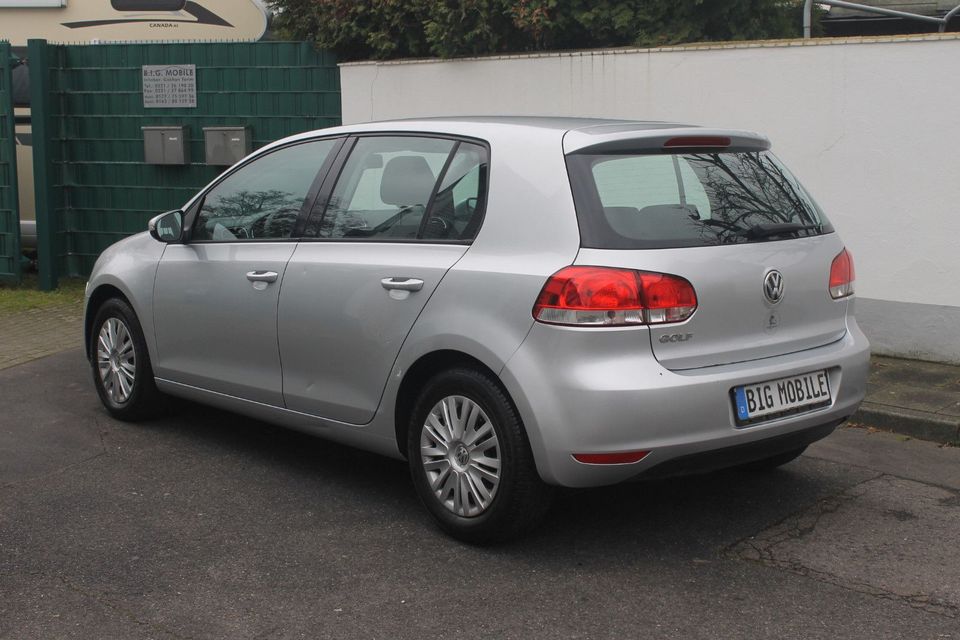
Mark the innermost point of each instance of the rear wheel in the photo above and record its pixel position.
(768, 464)
(121, 365)
(471, 462)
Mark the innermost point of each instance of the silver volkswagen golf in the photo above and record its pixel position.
(511, 304)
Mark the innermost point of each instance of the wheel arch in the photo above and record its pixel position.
(97, 297)
(424, 368)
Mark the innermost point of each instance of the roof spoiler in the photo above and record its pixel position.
(602, 140)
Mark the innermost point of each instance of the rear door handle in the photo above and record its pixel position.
(402, 284)
(262, 276)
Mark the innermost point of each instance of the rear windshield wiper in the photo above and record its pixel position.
(771, 230)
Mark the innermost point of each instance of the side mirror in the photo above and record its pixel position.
(167, 227)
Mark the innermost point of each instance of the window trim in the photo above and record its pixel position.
(347, 150)
(436, 187)
(193, 209)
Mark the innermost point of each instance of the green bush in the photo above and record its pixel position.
(386, 29)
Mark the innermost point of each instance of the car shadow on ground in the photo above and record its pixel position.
(703, 514)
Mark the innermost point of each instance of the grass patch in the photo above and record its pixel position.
(27, 296)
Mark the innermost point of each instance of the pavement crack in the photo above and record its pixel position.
(851, 465)
(917, 601)
(117, 608)
(761, 549)
(101, 431)
(50, 474)
(797, 524)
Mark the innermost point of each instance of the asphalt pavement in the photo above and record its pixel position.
(210, 525)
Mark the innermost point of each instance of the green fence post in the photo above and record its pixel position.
(10, 126)
(40, 109)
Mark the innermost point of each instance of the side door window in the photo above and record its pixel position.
(262, 199)
(384, 188)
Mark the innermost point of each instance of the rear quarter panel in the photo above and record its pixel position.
(483, 306)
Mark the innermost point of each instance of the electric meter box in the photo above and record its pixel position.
(165, 145)
(226, 145)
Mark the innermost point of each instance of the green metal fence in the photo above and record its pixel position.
(9, 214)
(98, 187)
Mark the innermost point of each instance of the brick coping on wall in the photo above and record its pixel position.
(704, 46)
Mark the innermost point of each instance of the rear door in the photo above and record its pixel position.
(215, 309)
(738, 226)
(402, 211)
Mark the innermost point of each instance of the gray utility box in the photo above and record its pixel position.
(226, 145)
(165, 145)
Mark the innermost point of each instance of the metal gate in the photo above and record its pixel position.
(9, 206)
(93, 185)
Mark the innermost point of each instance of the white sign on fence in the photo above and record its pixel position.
(169, 85)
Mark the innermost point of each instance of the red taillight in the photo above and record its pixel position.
(606, 296)
(623, 457)
(842, 275)
(697, 142)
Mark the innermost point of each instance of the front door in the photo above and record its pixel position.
(215, 297)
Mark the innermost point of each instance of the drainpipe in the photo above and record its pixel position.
(808, 13)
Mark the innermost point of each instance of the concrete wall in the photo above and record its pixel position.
(869, 126)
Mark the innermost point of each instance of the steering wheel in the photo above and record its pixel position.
(438, 227)
(259, 227)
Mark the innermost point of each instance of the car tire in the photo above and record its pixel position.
(477, 479)
(120, 363)
(771, 463)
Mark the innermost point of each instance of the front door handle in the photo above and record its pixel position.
(402, 284)
(262, 276)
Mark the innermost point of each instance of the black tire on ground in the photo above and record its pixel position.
(521, 498)
(771, 463)
(144, 400)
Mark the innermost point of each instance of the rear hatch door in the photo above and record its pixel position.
(717, 208)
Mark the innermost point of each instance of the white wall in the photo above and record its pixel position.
(870, 126)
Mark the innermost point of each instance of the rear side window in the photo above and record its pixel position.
(395, 188)
(683, 200)
(385, 188)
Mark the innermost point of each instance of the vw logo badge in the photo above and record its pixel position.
(773, 286)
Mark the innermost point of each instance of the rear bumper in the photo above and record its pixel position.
(589, 391)
(714, 459)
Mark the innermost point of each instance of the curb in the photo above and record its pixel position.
(921, 425)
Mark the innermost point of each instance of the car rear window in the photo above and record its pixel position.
(641, 201)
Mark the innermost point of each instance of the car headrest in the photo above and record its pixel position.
(406, 181)
(656, 222)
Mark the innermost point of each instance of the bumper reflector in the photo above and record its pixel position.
(622, 457)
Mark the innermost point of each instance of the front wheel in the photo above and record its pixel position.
(121, 365)
(471, 461)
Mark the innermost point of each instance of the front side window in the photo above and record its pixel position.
(689, 199)
(262, 199)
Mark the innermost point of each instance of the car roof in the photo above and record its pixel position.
(562, 123)
(587, 132)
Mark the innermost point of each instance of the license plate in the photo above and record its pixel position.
(783, 395)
